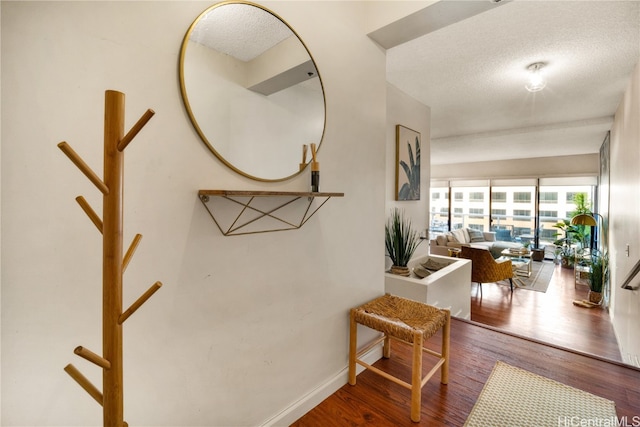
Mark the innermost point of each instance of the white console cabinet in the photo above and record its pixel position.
(449, 287)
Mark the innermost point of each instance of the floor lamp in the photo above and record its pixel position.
(586, 219)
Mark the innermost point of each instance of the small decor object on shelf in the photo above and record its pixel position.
(304, 157)
(315, 171)
(400, 241)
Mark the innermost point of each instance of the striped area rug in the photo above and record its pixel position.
(515, 397)
(541, 273)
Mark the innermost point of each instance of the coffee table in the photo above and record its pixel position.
(520, 262)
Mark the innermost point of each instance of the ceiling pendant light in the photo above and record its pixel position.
(536, 81)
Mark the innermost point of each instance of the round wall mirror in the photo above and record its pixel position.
(251, 89)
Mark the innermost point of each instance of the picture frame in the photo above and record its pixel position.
(603, 191)
(407, 163)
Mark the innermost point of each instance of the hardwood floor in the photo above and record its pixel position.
(548, 316)
(528, 316)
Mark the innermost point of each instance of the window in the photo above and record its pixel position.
(439, 215)
(549, 216)
(476, 196)
(521, 197)
(471, 206)
(548, 235)
(499, 197)
(522, 213)
(476, 213)
(564, 207)
(508, 206)
(548, 197)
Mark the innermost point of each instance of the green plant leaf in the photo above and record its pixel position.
(400, 240)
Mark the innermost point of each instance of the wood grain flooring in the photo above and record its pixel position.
(529, 317)
(548, 316)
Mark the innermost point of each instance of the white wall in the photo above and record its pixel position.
(624, 228)
(243, 326)
(406, 111)
(580, 165)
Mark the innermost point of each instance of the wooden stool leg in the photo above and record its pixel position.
(446, 334)
(416, 377)
(353, 344)
(386, 348)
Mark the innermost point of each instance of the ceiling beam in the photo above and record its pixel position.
(430, 19)
(598, 121)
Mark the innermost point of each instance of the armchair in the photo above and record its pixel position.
(485, 269)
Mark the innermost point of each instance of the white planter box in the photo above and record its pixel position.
(449, 287)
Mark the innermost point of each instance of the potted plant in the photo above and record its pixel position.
(599, 263)
(565, 245)
(575, 237)
(400, 241)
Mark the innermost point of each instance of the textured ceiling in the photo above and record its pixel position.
(240, 30)
(472, 72)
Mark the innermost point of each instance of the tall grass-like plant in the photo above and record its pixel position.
(400, 239)
(599, 271)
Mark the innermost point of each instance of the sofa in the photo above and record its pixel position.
(469, 237)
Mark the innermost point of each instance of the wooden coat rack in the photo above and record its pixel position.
(113, 261)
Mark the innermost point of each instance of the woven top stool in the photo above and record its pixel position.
(405, 320)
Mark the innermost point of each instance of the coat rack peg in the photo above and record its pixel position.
(93, 216)
(132, 249)
(135, 129)
(84, 383)
(136, 305)
(84, 168)
(92, 357)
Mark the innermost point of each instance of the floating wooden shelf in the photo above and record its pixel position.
(249, 212)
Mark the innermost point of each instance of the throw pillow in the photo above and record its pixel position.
(459, 235)
(441, 239)
(476, 235)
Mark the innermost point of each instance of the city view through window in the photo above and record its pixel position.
(516, 213)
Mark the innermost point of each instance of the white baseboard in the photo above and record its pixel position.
(312, 399)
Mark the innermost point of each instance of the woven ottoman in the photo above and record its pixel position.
(408, 321)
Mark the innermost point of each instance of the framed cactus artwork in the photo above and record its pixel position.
(407, 164)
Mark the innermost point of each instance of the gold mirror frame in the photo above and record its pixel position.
(292, 168)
